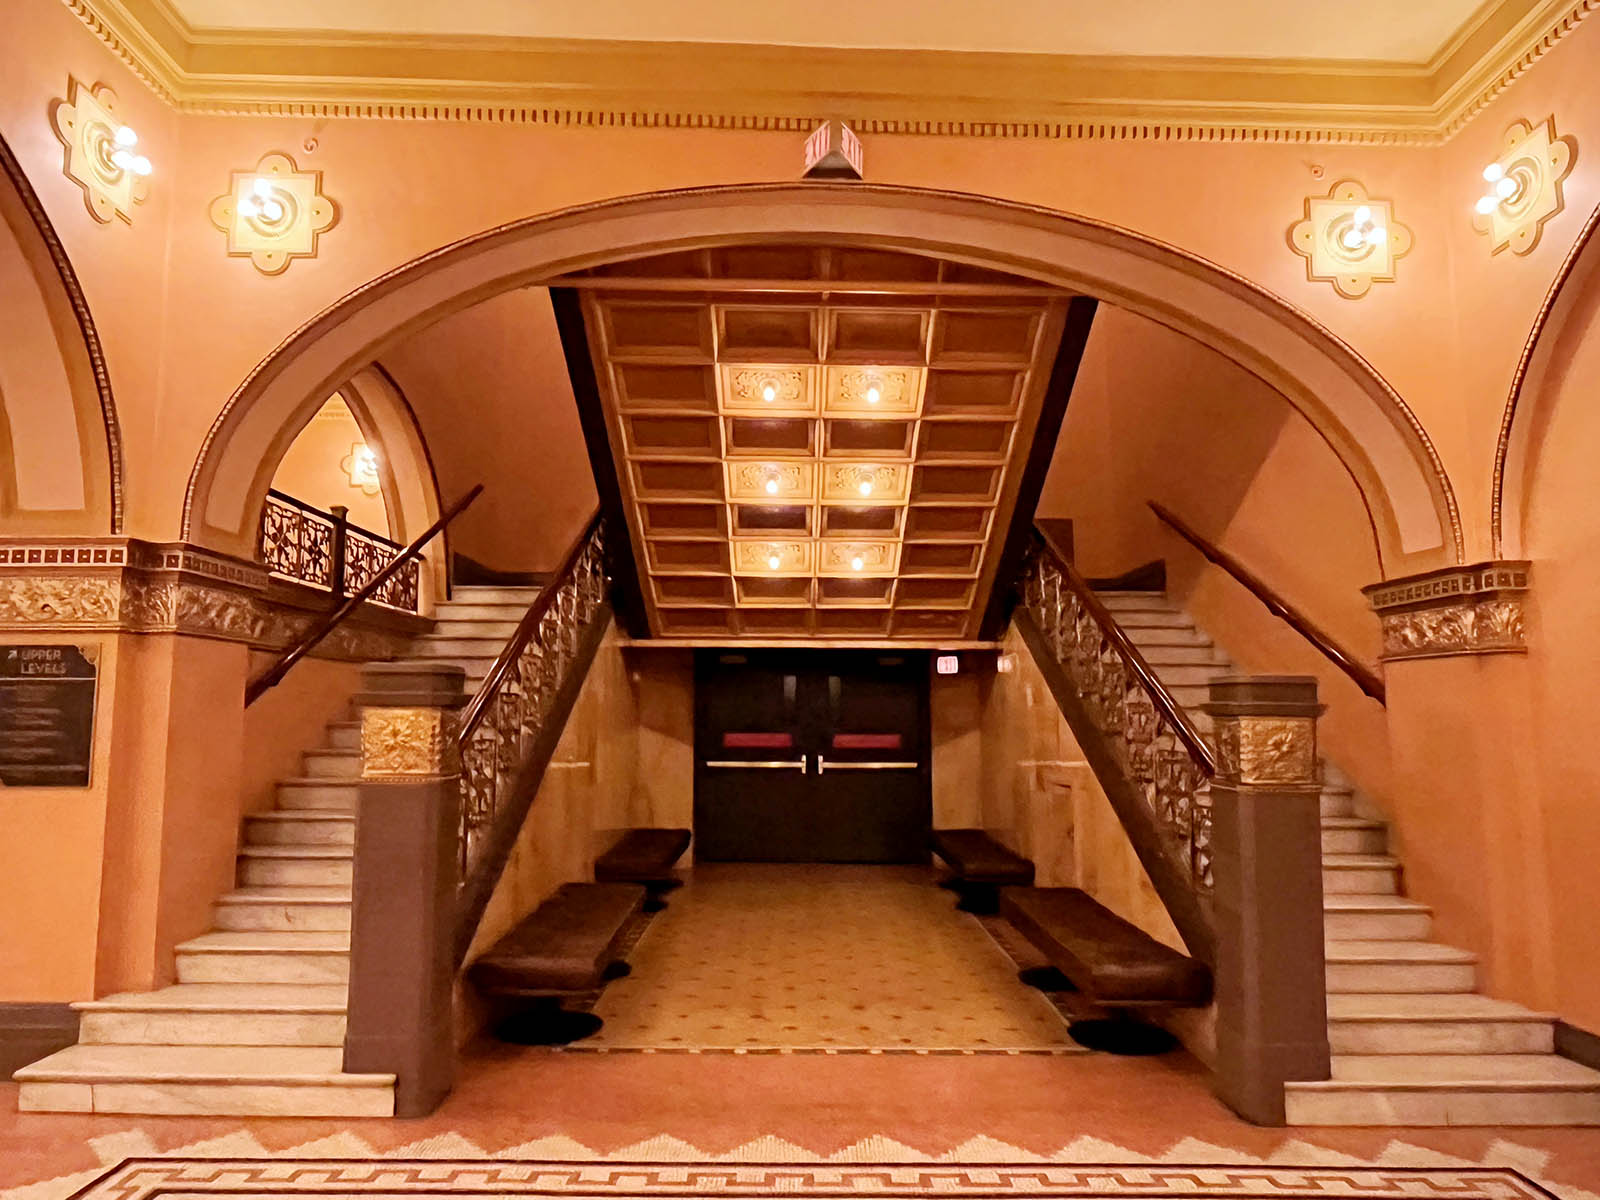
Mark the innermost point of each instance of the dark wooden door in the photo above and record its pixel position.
(812, 757)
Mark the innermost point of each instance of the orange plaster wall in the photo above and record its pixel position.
(490, 389)
(290, 719)
(1156, 416)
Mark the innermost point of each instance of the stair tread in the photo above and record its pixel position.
(317, 781)
(253, 850)
(1497, 1071)
(285, 894)
(1370, 902)
(199, 1064)
(1352, 823)
(1359, 860)
(226, 997)
(268, 941)
(1397, 951)
(304, 814)
(332, 752)
(1428, 1006)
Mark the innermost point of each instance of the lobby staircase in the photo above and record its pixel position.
(1414, 1042)
(255, 1024)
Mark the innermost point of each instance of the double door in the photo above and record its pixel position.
(813, 756)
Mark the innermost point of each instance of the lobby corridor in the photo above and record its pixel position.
(811, 957)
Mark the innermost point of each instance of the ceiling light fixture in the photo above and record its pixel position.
(1363, 231)
(769, 392)
(866, 487)
(874, 394)
(261, 202)
(774, 561)
(1503, 188)
(857, 563)
(123, 156)
(772, 485)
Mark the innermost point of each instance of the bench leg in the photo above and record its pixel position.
(1120, 1032)
(1046, 979)
(655, 890)
(616, 970)
(980, 899)
(545, 1023)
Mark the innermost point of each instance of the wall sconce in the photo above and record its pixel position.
(101, 152)
(1523, 186)
(361, 465)
(274, 214)
(1349, 240)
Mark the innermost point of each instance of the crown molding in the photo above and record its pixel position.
(789, 88)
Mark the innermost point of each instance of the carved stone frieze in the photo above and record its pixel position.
(408, 743)
(1267, 750)
(27, 601)
(1461, 610)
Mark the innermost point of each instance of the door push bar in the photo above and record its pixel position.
(823, 764)
(770, 765)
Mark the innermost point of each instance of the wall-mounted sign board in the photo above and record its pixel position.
(46, 715)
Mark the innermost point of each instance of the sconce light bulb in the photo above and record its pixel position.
(1352, 238)
(126, 136)
(1506, 187)
(769, 393)
(262, 188)
(1486, 204)
(873, 394)
(1493, 172)
(141, 165)
(773, 562)
(271, 210)
(1363, 215)
(123, 159)
(857, 563)
(1377, 235)
(772, 487)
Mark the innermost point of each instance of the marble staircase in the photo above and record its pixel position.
(473, 626)
(1414, 1042)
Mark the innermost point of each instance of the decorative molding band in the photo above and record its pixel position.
(258, 75)
(1476, 609)
(122, 585)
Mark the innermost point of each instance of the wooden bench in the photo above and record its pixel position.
(980, 867)
(568, 946)
(645, 856)
(1112, 962)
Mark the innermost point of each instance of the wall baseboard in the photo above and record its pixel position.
(28, 1032)
(1579, 1045)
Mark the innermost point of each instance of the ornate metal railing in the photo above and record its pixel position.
(1157, 745)
(509, 727)
(323, 549)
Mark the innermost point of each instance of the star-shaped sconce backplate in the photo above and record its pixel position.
(86, 122)
(1535, 160)
(274, 214)
(1349, 239)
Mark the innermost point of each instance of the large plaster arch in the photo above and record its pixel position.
(60, 445)
(1362, 418)
(1537, 382)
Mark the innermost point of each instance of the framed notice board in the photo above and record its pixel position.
(47, 715)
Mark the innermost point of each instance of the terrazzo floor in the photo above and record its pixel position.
(841, 958)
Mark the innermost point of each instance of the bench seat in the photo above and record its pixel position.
(1110, 960)
(565, 946)
(977, 858)
(642, 856)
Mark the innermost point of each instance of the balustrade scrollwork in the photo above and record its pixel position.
(518, 697)
(1157, 744)
(324, 550)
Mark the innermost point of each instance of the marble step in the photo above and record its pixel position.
(315, 909)
(325, 795)
(265, 956)
(461, 610)
(1375, 918)
(1162, 657)
(1128, 599)
(475, 629)
(1394, 967)
(1354, 835)
(302, 1081)
(433, 648)
(218, 1014)
(296, 866)
(1144, 636)
(1162, 618)
(344, 735)
(1459, 1023)
(483, 594)
(1191, 675)
(300, 827)
(1453, 1089)
(1337, 801)
(332, 764)
(1362, 874)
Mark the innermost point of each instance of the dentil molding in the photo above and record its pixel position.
(1475, 609)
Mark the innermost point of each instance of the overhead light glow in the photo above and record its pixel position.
(769, 393)
(774, 562)
(1494, 172)
(125, 136)
(873, 394)
(772, 486)
(857, 563)
(866, 487)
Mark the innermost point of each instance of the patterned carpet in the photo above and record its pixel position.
(818, 958)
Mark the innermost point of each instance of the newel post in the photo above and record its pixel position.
(402, 922)
(1272, 1020)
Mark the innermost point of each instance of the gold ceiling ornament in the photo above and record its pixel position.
(859, 558)
(752, 557)
(874, 391)
(1349, 239)
(770, 481)
(849, 483)
(770, 390)
(1523, 185)
(101, 155)
(274, 214)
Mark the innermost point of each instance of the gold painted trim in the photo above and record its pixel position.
(1267, 751)
(407, 745)
(1475, 609)
(791, 89)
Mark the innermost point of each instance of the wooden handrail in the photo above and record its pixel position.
(270, 678)
(1365, 678)
(472, 716)
(1182, 723)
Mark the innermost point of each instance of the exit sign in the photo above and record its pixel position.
(947, 664)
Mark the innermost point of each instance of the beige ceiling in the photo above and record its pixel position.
(1398, 31)
(818, 442)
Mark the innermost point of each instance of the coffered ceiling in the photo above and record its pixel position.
(814, 442)
(1358, 69)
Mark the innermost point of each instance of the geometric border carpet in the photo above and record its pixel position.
(339, 1179)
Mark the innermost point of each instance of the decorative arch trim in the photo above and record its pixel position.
(1361, 416)
(1511, 450)
(94, 355)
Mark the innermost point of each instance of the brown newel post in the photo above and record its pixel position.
(1272, 1019)
(402, 921)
